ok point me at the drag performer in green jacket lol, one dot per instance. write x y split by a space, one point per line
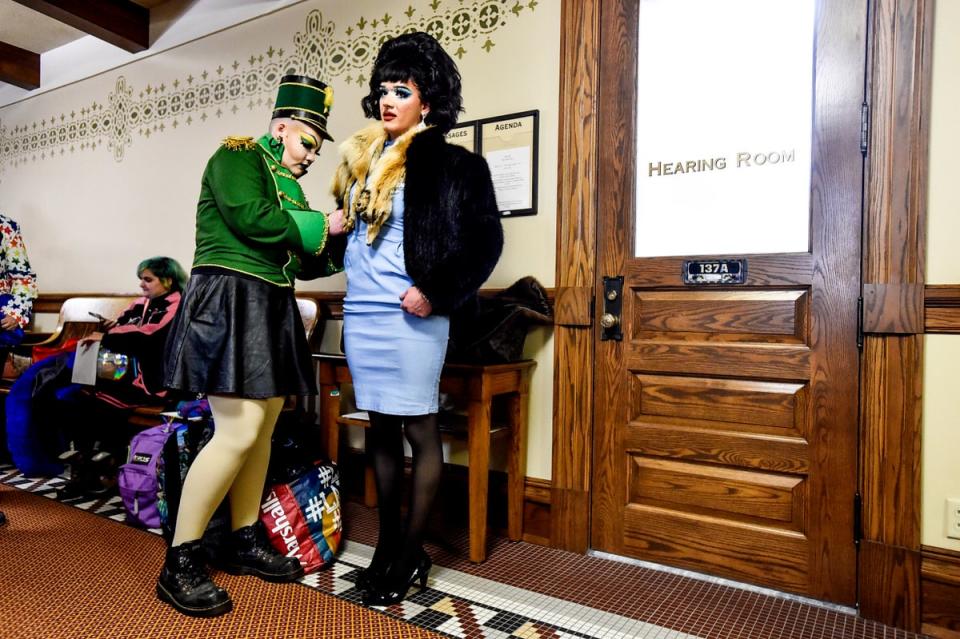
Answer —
238 336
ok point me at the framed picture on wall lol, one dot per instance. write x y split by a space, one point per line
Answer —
465 135
510 145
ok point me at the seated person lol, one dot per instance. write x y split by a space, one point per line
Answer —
140 333
46 412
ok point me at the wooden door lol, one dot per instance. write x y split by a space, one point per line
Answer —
725 424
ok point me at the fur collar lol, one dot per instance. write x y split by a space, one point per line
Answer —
375 171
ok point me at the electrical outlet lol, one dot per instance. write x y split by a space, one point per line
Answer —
953 517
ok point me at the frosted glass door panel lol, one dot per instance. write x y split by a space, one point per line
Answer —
724 117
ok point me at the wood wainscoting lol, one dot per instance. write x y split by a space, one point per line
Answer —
536 511
331 302
940 588
941 305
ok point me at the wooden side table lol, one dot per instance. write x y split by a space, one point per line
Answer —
478 385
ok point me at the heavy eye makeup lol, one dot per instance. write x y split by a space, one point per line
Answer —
308 141
401 92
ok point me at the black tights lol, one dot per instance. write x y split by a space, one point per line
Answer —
399 547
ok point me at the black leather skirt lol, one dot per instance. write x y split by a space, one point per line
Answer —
237 335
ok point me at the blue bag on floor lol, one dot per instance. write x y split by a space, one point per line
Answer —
34 444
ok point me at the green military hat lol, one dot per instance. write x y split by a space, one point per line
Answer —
303 98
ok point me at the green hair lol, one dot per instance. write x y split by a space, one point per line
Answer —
165 268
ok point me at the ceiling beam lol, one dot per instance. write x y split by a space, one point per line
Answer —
19 66
120 22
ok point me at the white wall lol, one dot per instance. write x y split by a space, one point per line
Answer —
941 407
92 205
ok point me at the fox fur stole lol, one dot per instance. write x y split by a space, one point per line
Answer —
375 172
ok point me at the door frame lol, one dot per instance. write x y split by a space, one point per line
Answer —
898 76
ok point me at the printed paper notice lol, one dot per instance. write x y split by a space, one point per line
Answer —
85 363
510 170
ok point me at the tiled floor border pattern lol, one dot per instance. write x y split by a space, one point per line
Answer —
540 593
454 603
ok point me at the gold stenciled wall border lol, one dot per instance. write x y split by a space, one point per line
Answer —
318 51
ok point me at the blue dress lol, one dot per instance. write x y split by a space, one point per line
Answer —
395 358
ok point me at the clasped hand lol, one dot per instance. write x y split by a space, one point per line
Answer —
413 301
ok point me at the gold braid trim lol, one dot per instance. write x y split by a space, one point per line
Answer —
279 170
326 236
302 205
239 143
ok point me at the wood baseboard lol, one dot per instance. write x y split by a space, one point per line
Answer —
942 309
940 592
536 511
888 585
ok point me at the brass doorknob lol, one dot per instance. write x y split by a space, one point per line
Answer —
609 320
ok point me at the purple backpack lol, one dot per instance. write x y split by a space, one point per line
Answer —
137 479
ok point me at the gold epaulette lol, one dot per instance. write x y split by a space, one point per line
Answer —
239 143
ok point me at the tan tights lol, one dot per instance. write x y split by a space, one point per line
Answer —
234 462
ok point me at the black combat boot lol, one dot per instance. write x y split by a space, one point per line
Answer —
185 584
248 552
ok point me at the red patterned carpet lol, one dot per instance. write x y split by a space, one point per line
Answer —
66 573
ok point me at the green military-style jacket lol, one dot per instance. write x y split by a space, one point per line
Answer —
253 217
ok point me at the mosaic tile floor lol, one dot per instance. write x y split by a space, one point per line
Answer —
525 590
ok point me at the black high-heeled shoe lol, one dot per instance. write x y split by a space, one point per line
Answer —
369 577
386 595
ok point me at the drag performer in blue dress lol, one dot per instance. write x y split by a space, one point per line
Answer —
424 234
395 355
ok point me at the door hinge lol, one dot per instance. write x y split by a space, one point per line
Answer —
857 518
864 127
859 323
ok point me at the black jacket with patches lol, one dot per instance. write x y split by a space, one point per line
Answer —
452 236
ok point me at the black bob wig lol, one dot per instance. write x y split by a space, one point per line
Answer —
418 57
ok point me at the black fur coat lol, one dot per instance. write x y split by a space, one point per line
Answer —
452 237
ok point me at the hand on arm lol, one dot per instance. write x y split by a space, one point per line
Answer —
414 302
336 221
9 322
